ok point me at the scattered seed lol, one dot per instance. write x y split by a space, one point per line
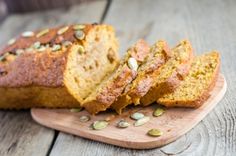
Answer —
137 116
142 121
56 47
11 41
81 49
42 33
123 124
84 118
78 27
158 112
133 64
74 110
79 34
155 132
98 125
37 45
28 34
62 30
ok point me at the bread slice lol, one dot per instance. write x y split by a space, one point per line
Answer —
196 87
112 87
171 73
57 67
147 72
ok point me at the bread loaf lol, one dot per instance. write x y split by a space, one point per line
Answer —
57 67
112 87
147 72
171 73
196 87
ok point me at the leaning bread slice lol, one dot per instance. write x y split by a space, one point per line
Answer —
195 88
171 73
108 91
56 67
147 72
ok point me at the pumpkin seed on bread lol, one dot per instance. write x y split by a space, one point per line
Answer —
196 86
112 87
171 73
159 54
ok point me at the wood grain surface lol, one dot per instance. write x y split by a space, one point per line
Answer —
173 123
208 24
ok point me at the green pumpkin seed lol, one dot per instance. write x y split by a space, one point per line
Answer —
11 41
28 34
123 124
41 49
158 112
56 47
79 34
42 33
78 27
142 121
98 125
137 116
81 49
155 132
37 45
74 110
84 118
62 30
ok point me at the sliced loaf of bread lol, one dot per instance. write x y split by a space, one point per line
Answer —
159 54
196 87
112 87
171 73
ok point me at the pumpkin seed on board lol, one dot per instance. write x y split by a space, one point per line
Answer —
78 27
74 110
123 124
79 34
84 118
62 30
137 116
155 132
133 64
19 52
99 125
81 49
28 34
158 112
37 45
142 121
56 47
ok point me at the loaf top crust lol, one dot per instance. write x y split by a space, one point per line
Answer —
39 58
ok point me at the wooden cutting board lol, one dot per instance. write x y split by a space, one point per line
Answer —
174 122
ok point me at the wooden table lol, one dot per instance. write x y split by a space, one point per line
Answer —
208 24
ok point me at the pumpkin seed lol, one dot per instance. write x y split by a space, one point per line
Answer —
158 112
56 47
142 121
133 64
37 45
81 49
155 132
137 116
19 51
41 33
98 125
28 34
11 41
41 49
67 43
78 27
84 118
62 30
123 124
79 34
74 110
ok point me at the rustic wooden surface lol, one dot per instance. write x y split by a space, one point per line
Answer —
208 24
174 123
